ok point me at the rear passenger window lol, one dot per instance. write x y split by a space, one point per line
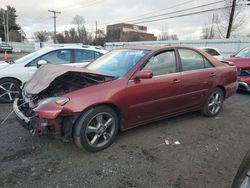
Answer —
163 63
84 55
97 55
192 60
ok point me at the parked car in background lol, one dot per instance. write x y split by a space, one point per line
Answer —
121 90
4 47
13 74
213 52
242 62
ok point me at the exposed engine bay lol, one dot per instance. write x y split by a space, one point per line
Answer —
56 80
47 86
70 81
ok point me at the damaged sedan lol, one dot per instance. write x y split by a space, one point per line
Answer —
123 89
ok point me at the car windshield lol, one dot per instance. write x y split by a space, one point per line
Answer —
245 53
118 62
32 56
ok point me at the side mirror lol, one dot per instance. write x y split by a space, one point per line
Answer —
232 55
146 74
41 62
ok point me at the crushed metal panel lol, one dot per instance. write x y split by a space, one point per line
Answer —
48 73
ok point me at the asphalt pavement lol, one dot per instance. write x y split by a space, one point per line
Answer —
209 153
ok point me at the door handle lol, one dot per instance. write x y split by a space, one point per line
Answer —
176 81
212 74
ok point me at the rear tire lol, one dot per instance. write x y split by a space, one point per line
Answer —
214 103
9 90
96 129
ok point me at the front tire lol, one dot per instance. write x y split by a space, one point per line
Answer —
9 90
96 129
214 103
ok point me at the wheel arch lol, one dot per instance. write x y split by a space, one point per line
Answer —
76 117
223 90
12 79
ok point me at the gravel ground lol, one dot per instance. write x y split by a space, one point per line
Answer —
208 156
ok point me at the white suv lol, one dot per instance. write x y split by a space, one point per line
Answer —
12 75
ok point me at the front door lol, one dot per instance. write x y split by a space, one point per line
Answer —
57 57
149 99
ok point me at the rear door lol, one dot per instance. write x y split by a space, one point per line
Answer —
198 75
82 57
158 96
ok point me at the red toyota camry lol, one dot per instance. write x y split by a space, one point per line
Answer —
121 90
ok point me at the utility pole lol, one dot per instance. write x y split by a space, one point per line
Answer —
54 12
212 29
4 25
7 26
231 18
95 31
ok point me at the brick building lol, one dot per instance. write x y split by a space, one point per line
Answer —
123 32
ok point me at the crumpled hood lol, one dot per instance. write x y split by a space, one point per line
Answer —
46 74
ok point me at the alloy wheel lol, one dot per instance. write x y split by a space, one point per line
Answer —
8 91
215 102
100 129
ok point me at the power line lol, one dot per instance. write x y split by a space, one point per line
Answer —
183 15
178 11
55 13
94 2
156 11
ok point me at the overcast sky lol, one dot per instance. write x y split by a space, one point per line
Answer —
33 15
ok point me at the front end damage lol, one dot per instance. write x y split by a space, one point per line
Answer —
44 119
42 107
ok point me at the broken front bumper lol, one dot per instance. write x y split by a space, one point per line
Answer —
22 119
37 125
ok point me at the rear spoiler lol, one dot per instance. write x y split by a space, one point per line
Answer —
230 63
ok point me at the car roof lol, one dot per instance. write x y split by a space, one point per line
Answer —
156 47
148 47
85 47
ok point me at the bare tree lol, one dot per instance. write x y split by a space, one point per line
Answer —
166 36
208 30
79 21
78 34
42 36
222 19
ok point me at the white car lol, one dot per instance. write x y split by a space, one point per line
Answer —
213 52
12 75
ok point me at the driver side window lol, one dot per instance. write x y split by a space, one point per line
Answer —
162 63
